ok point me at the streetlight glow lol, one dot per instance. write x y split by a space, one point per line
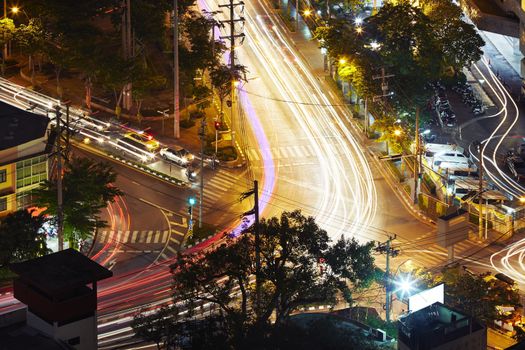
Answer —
342 61
359 30
358 21
307 12
15 10
397 132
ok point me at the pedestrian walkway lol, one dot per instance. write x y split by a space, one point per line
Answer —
144 236
286 152
430 255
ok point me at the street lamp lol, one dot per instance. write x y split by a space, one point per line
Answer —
342 60
307 12
398 132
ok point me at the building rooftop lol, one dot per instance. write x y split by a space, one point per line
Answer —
436 324
59 272
19 126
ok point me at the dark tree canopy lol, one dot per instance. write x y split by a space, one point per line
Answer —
416 44
293 274
87 188
21 237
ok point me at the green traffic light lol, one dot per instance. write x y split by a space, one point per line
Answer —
192 201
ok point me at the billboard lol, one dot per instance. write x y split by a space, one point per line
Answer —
427 297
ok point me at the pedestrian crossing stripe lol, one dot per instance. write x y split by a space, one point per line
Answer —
297 151
145 236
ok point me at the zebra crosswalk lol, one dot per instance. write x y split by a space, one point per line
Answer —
433 255
144 236
284 152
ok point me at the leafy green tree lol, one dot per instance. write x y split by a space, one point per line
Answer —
397 138
87 188
21 237
156 327
415 44
478 295
459 42
222 78
144 82
7 31
291 275
31 39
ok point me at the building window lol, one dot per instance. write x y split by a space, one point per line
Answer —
31 171
24 200
3 204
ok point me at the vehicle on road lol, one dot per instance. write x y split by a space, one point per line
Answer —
177 155
191 174
143 138
515 164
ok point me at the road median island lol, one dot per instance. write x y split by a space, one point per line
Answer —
131 164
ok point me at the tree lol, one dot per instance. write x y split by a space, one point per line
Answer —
7 30
222 78
155 327
478 295
87 188
21 237
31 39
291 274
415 44
397 137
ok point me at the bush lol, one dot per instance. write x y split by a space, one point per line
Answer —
187 123
227 153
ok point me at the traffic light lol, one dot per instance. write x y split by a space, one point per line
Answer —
217 125
192 201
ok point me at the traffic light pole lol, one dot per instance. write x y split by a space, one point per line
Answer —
202 134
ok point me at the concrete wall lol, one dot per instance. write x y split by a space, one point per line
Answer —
85 329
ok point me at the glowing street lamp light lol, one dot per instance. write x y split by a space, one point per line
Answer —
358 21
405 285
342 61
397 132
307 12
15 10
359 30
374 45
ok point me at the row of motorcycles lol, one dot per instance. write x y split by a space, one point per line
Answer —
443 108
467 95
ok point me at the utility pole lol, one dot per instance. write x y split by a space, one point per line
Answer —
60 209
297 15
384 85
367 122
231 22
127 50
481 148
231 37
176 112
202 136
417 158
255 212
386 248
384 92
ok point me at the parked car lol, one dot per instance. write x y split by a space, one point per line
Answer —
177 155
